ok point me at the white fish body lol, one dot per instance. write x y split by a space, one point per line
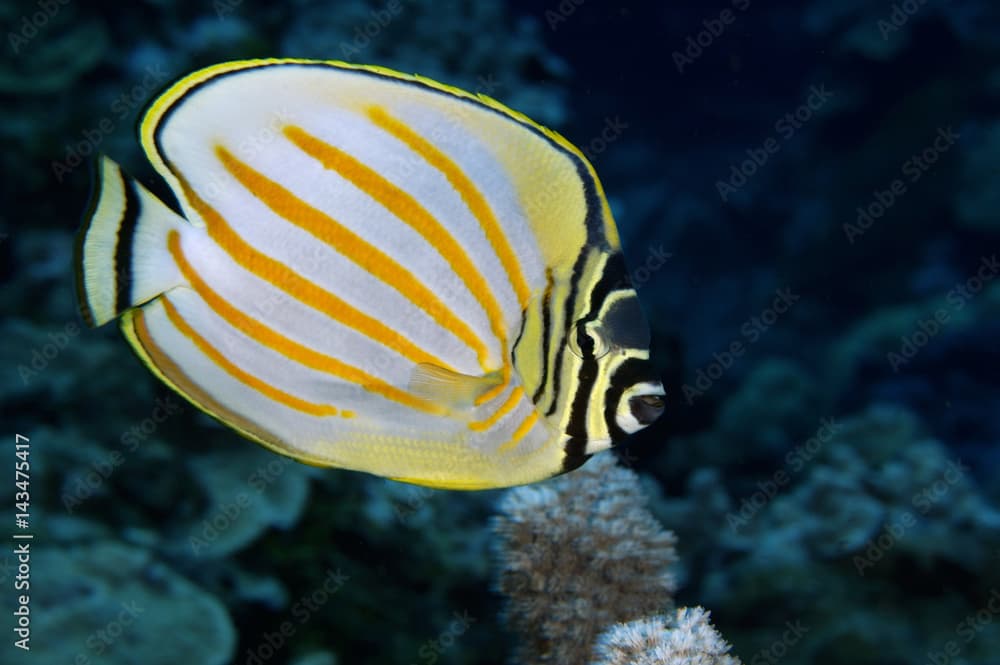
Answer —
376 272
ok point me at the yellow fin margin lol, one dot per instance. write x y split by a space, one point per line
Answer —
151 120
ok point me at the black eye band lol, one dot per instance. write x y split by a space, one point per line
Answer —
631 372
584 341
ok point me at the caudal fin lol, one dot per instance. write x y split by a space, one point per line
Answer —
122 259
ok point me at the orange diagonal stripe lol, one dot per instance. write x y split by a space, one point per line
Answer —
473 198
282 344
284 278
352 246
520 432
505 408
267 389
401 204
504 378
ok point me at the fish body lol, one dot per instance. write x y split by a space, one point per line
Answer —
373 271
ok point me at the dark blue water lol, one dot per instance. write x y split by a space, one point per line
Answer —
807 197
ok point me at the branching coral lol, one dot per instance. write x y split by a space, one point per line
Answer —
684 638
581 553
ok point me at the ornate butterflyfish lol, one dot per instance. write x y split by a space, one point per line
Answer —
373 271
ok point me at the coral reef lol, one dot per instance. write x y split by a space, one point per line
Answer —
68 49
877 502
107 602
578 554
902 353
247 492
834 487
581 553
127 461
781 400
683 638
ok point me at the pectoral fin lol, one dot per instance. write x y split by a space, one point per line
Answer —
451 389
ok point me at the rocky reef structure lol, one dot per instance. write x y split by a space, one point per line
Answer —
108 602
872 512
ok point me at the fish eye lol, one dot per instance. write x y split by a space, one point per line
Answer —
588 340
652 401
646 408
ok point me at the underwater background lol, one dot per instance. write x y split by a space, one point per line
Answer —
808 195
